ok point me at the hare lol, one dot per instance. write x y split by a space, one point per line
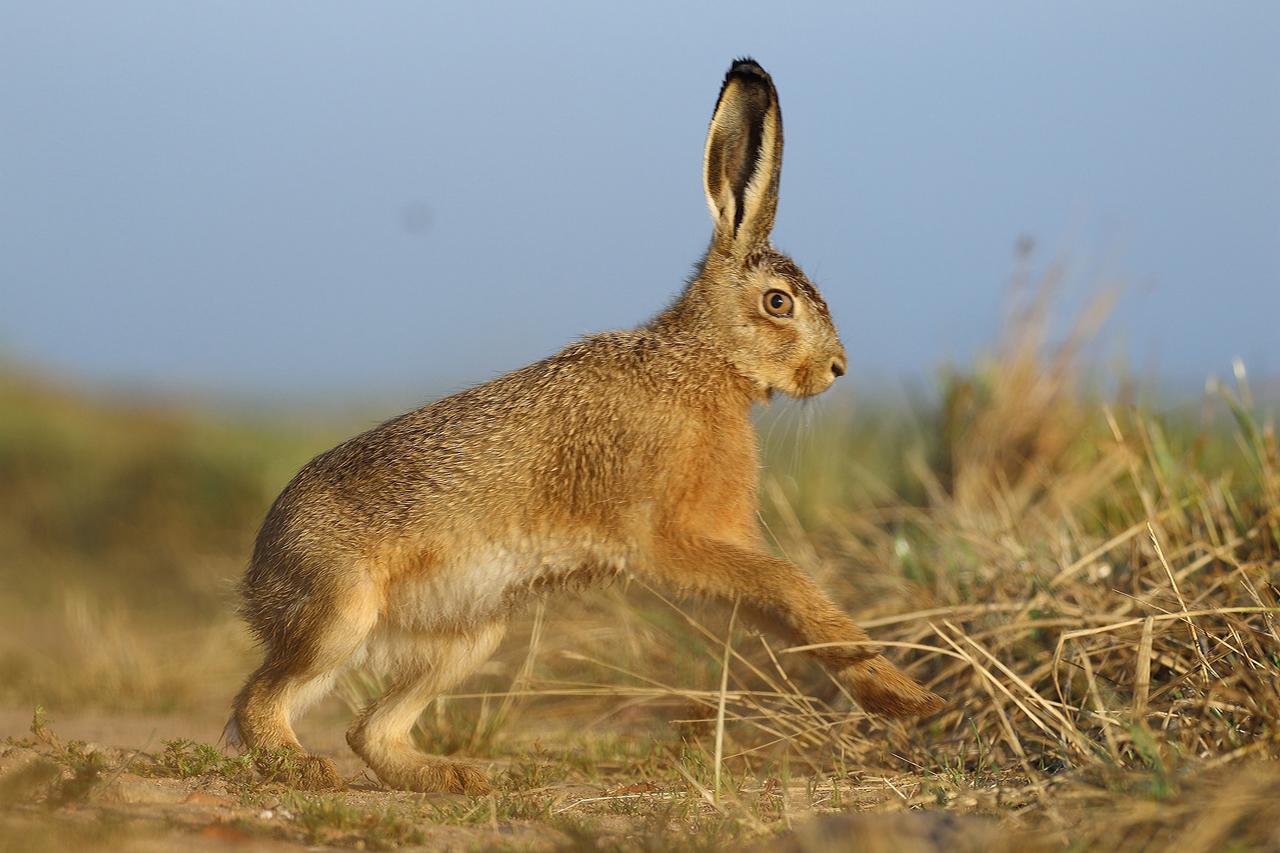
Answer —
406 548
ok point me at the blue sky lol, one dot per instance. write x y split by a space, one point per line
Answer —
301 198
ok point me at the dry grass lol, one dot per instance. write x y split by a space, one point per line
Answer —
1093 585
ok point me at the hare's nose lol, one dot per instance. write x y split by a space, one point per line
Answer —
838 367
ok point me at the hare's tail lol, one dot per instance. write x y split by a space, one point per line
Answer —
231 737
882 688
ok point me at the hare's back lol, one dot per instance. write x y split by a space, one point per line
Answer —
564 431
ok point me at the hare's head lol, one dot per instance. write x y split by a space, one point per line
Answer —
771 320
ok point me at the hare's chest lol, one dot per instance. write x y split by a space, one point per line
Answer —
713 489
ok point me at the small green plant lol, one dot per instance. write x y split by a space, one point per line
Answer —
276 765
537 769
495 808
322 816
185 759
1161 783
87 766
40 728
332 819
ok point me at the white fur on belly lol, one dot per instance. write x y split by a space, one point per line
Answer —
481 587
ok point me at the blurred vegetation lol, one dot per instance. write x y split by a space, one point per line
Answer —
137 498
123 523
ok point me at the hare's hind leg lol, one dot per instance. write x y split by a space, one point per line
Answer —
300 667
382 733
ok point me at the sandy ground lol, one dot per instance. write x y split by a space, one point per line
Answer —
126 810
129 807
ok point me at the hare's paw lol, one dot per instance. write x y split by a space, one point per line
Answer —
297 769
882 688
431 776
466 779
317 773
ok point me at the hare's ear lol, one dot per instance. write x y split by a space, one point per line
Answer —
744 158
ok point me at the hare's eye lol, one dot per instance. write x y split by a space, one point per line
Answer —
778 303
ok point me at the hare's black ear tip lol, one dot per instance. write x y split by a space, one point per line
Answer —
746 67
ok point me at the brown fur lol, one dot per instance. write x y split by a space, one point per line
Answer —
629 452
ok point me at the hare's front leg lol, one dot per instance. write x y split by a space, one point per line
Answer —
779 597
382 733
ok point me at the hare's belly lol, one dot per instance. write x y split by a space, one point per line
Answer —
487 585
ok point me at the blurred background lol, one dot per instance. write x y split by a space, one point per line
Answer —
307 200
233 234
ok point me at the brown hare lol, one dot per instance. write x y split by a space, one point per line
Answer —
405 548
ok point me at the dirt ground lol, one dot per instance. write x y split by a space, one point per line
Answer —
132 796
138 811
